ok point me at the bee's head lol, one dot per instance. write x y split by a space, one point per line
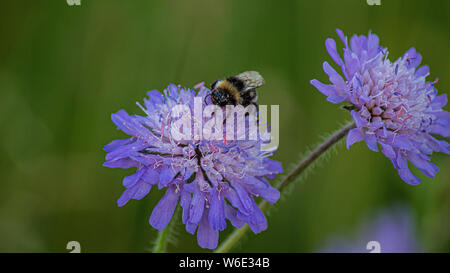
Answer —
220 97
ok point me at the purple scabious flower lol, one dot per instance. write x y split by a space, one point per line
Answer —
391 102
393 228
213 180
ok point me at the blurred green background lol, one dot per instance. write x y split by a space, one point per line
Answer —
64 69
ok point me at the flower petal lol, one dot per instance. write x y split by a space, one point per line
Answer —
371 142
243 196
326 89
115 144
128 125
408 177
388 151
163 211
151 176
413 58
123 163
360 122
206 236
354 135
256 221
185 202
422 71
216 214
330 44
335 78
197 206
230 214
439 102
425 166
166 176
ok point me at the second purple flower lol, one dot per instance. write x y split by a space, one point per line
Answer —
391 102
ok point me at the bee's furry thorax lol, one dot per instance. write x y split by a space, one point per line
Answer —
228 86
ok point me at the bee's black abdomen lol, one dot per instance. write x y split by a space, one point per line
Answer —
238 83
249 97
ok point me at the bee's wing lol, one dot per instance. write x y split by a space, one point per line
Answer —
251 79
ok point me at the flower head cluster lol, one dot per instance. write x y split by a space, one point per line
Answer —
212 180
391 102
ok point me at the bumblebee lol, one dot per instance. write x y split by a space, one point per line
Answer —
239 89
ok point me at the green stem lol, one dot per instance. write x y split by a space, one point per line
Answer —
164 235
234 237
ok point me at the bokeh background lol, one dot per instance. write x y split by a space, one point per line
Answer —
64 69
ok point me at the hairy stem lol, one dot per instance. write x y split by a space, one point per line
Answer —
316 153
234 237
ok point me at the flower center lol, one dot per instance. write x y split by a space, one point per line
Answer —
398 100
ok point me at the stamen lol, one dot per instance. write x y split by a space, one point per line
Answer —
388 84
199 85
408 117
401 112
143 109
213 148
